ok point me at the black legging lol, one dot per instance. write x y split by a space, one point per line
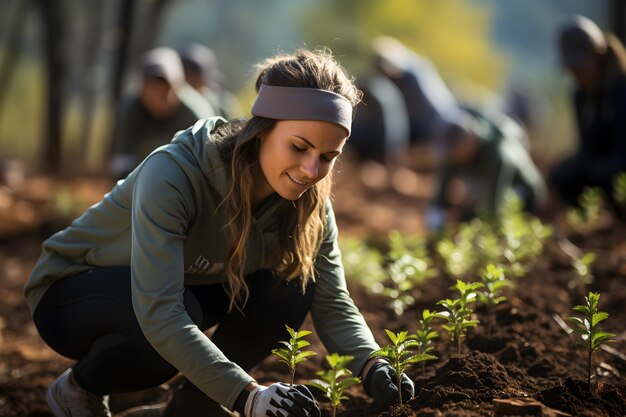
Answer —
90 318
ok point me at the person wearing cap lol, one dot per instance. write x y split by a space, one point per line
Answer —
230 224
164 104
202 73
488 151
428 101
597 63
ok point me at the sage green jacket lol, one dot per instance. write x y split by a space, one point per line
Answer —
164 222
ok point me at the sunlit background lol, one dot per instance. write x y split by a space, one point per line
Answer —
484 50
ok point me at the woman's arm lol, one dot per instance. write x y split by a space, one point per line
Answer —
162 207
338 322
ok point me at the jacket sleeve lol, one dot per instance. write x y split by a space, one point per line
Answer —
161 211
339 324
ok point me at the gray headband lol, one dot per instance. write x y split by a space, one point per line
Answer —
296 103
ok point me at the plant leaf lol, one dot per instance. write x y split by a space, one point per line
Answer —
598 317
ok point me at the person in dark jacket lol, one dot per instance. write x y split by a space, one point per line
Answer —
429 103
164 104
597 63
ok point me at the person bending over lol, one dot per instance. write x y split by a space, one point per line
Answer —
230 224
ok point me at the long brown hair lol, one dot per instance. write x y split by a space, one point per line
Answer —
301 223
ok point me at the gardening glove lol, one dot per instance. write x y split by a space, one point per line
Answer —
380 383
280 400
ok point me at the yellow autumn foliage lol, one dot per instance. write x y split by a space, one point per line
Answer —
453 34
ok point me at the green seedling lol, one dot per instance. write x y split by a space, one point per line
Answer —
336 380
591 337
458 253
362 263
524 235
292 354
401 245
583 274
494 282
405 273
408 265
587 216
400 356
425 334
458 313
619 189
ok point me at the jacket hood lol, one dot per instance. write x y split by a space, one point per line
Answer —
196 148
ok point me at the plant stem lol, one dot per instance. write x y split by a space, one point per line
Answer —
292 376
333 411
398 382
589 370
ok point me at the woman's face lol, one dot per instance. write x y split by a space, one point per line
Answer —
296 154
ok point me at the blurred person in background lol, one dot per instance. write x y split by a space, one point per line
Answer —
429 102
147 119
380 131
231 224
202 73
597 63
488 151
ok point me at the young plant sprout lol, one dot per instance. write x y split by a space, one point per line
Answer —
405 273
291 354
583 275
409 265
619 189
362 262
458 253
399 355
401 245
619 192
336 380
587 216
493 281
523 234
458 314
587 328
425 334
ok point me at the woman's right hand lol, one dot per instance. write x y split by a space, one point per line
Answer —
281 400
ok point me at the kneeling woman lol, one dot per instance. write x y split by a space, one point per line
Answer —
228 225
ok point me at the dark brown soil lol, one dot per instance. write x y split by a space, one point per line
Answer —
529 358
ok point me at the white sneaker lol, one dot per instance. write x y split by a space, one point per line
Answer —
66 399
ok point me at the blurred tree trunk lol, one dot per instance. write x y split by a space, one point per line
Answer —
124 29
54 68
92 42
153 25
127 50
13 46
136 35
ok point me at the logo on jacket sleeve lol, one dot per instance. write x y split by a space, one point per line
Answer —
204 267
